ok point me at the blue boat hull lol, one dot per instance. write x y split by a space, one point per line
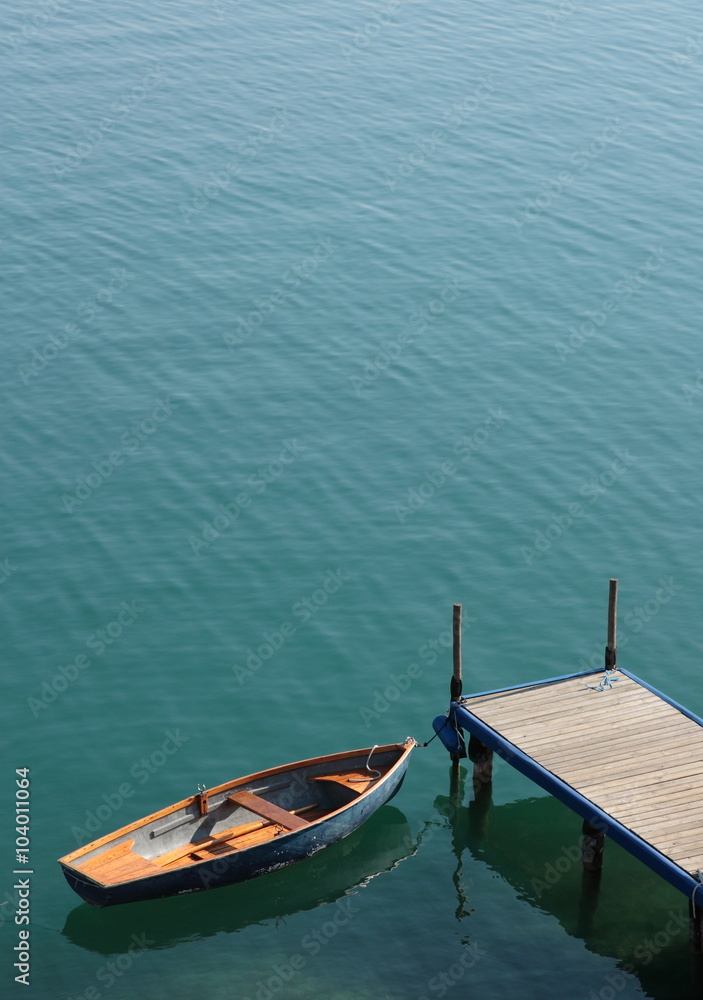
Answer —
241 865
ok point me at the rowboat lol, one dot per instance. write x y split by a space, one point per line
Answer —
239 830
374 851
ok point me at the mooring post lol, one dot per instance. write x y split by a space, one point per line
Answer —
456 683
611 650
482 758
593 840
455 688
479 754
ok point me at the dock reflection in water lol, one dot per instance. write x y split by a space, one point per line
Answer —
624 912
378 846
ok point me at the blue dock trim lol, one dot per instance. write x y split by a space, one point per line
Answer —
522 762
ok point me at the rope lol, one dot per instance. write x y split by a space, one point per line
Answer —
606 682
436 734
371 770
457 730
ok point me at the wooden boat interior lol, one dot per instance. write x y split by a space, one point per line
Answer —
242 814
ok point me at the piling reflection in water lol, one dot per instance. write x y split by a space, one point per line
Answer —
625 912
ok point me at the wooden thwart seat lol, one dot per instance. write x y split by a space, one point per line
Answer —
254 803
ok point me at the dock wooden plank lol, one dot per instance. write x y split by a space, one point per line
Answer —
643 778
547 700
639 722
678 797
576 748
638 764
570 691
586 758
581 734
625 743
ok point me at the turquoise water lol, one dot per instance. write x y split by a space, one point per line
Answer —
319 319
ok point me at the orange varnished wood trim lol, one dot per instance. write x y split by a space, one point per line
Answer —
111 854
358 781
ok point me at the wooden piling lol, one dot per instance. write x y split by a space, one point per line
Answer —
455 688
456 682
592 847
480 755
594 839
611 650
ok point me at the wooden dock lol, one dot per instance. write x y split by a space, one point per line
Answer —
624 757
621 754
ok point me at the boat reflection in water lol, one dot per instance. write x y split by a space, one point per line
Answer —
624 912
377 847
